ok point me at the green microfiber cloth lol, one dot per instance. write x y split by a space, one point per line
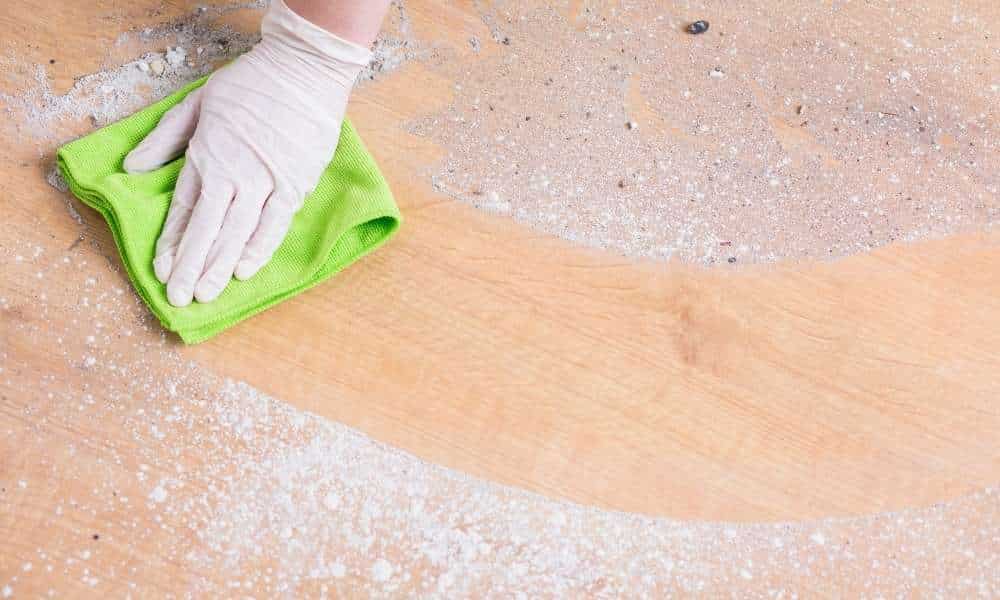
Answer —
350 213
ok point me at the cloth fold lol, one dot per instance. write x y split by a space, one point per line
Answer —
350 213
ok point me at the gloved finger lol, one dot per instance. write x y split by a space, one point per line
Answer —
168 140
202 230
185 194
239 225
274 223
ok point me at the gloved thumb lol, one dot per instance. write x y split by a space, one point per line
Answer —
168 140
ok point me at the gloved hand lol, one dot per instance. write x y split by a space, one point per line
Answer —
259 134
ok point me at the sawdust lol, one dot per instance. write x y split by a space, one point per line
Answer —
193 46
108 95
784 132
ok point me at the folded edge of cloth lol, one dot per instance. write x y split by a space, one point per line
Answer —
349 214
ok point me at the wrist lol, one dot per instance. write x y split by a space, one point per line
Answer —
311 45
356 21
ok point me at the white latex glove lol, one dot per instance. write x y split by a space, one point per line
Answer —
259 134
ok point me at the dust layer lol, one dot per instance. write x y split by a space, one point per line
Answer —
178 52
789 130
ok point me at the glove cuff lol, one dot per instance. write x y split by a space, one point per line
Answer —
310 40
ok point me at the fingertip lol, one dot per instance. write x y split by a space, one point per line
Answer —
162 265
135 163
207 291
245 269
179 295
211 285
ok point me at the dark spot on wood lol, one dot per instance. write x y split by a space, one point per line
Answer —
698 27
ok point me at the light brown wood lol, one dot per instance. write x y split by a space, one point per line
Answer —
787 392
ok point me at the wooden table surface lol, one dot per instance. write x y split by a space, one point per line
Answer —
783 392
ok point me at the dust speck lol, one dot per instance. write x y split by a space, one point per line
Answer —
381 570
